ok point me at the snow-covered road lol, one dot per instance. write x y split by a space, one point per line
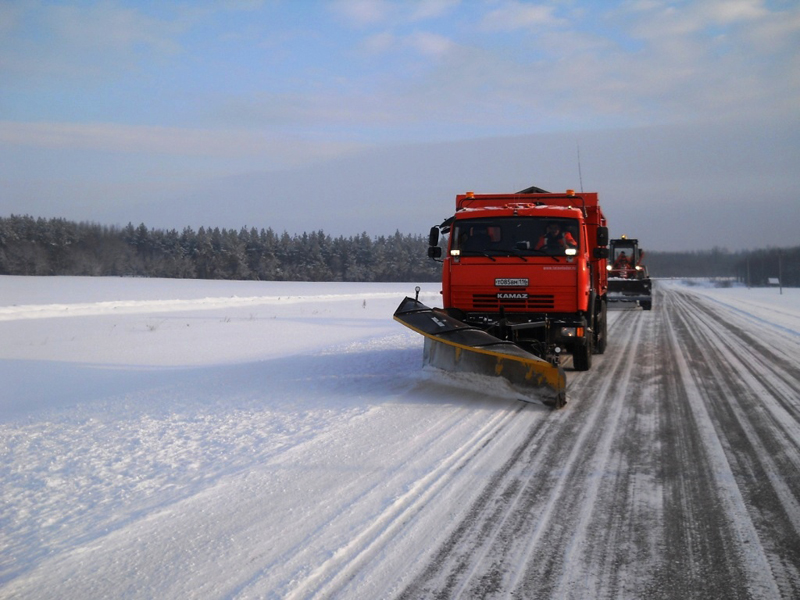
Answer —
184 439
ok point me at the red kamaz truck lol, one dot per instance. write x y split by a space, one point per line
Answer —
528 269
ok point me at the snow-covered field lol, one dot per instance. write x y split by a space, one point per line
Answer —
209 439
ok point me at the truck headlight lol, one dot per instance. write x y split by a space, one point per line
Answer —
572 332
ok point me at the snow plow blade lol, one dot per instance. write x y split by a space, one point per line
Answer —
635 291
454 346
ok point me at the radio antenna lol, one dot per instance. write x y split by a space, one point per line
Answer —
580 175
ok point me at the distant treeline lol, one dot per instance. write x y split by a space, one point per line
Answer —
751 267
37 246
30 246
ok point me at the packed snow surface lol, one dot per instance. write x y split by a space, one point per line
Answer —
209 439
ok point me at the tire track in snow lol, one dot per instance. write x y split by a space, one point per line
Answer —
567 561
335 573
455 555
759 438
777 372
588 469
707 526
791 319
609 550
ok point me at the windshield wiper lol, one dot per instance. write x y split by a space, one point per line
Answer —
481 252
516 252
542 252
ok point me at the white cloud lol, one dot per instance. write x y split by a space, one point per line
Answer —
663 19
80 42
380 42
363 12
513 15
429 9
430 44
779 31
245 5
276 149
668 18
730 11
114 137
110 26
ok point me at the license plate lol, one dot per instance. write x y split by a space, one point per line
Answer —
511 282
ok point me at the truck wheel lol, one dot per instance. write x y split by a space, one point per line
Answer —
602 335
582 355
646 304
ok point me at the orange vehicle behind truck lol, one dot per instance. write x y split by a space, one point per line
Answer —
529 268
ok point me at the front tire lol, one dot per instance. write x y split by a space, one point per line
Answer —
602 336
582 355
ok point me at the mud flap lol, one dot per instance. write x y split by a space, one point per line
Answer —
454 346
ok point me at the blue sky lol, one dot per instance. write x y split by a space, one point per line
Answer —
161 112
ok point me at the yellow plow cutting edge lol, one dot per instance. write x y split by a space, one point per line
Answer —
454 346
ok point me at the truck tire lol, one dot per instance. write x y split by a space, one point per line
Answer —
646 304
582 355
602 329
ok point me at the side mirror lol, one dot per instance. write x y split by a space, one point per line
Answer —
602 236
434 252
433 237
601 253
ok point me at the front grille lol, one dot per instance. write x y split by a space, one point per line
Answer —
532 302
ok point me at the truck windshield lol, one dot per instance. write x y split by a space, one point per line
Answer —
622 252
525 236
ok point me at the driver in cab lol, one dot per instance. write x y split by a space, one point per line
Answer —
556 239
